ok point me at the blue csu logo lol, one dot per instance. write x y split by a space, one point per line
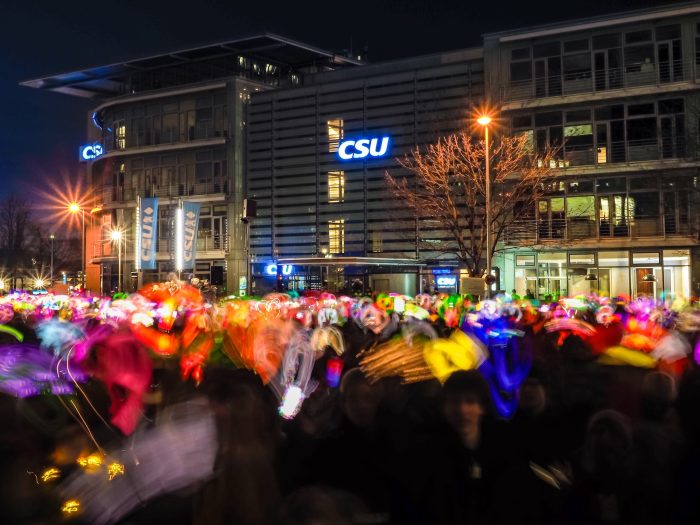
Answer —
91 151
363 148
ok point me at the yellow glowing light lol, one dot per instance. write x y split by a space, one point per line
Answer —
458 352
39 284
115 469
484 120
50 474
92 461
73 207
71 506
116 235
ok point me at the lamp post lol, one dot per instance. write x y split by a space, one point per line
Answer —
74 208
52 237
117 238
484 121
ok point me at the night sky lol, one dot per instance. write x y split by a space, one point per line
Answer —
41 131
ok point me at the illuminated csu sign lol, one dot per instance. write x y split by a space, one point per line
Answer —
271 269
363 148
91 151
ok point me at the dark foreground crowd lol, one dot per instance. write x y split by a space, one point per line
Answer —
589 444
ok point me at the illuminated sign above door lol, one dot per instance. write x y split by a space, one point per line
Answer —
363 148
271 269
91 151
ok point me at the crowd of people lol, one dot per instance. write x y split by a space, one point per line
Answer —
590 442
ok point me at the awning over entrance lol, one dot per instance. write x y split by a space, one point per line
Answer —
350 261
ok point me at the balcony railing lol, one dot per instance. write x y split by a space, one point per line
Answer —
583 228
201 131
112 194
632 75
205 243
623 151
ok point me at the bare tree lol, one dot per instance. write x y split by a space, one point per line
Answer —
15 216
446 187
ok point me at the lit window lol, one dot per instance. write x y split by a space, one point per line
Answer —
336 236
376 242
529 140
121 136
336 186
335 134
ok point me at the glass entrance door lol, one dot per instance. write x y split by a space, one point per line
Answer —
647 281
551 275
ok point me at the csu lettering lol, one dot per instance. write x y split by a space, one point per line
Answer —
362 148
147 234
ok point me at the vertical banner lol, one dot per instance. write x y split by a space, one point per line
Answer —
190 211
146 238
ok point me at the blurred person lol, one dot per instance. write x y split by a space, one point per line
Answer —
604 478
687 502
537 424
658 443
460 476
245 490
320 506
317 420
355 458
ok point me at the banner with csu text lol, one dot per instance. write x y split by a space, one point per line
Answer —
148 226
190 211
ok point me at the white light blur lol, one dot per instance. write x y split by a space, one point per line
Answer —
137 242
291 402
179 239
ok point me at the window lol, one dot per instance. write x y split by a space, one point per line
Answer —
520 71
582 186
639 59
646 258
336 186
525 260
121 135
520 54
549 49
611 185
335 134
606 41
529 140
668 32
638 36
522 121
377 242
577 66
336 236
576 45
582 259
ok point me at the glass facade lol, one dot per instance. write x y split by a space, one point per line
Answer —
607 208
610 60
613 273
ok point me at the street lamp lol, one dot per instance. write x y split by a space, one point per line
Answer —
485 120
52 237
75 208
116 236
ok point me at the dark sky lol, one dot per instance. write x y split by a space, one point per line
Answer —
40 131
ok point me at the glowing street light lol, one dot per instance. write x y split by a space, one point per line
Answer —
52 237
485 121
75 208
116 236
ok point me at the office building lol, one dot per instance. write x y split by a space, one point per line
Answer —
172 127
